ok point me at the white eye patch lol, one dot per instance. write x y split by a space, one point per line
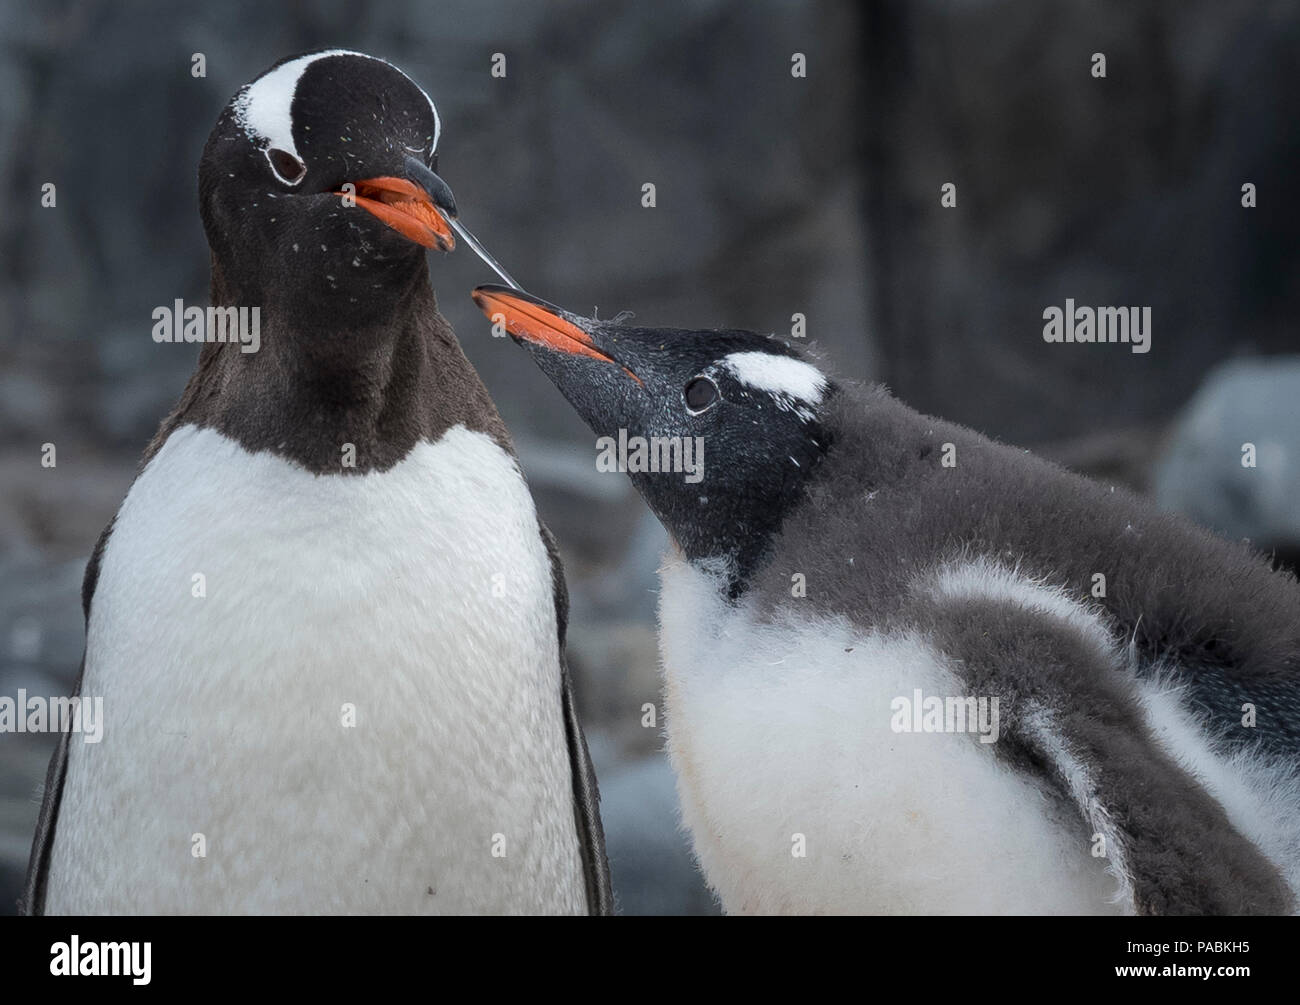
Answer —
263 108
793 384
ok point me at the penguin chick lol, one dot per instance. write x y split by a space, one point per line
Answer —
911 670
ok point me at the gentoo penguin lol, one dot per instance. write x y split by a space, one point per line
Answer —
911 670
326 623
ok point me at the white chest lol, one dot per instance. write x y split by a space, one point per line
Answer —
801 798
322 694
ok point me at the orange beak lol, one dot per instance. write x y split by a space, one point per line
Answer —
533 323
536 321
407 208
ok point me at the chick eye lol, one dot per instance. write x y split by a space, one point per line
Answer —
288 168
700 393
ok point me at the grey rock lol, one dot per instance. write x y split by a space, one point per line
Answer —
1201 474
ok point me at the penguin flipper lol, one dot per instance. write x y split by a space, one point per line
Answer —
32 899
1073 716
586 794
586 805
1220 693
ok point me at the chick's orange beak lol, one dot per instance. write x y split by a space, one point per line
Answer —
407 208
533 320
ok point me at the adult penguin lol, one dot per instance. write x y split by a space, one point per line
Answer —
326 623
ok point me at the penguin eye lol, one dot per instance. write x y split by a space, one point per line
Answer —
700 393
288 168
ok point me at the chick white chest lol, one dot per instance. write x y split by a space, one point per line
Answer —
801 798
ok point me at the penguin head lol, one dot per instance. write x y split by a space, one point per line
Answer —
745 410
319 181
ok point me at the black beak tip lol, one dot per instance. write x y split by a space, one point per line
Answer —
439 191
488 288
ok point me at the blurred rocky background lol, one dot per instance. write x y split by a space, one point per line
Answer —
776 195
